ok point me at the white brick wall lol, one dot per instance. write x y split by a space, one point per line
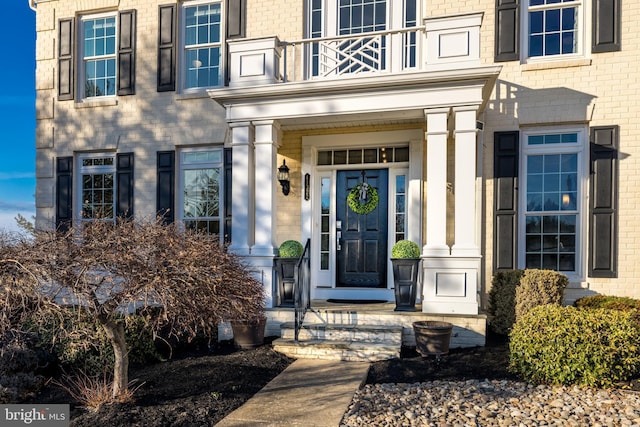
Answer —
601 89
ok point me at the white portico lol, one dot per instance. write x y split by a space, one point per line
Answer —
448 92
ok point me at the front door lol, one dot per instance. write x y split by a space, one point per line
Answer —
362 243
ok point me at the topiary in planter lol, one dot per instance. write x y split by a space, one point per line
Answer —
290 249
405 249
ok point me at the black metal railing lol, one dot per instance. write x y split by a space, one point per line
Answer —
302 287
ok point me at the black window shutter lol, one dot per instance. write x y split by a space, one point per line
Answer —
127 53
124 183
167 48
603 191
165 197
505 176
236 16
64 193
606 26
227 194
65 59
507 30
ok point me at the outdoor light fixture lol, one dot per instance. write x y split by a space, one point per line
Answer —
283 177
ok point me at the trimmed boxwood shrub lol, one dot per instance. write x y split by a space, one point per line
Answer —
290 249
566 345
502 300
405 249
610 302
539 287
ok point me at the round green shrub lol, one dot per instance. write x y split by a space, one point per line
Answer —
610 302
502 300
539 287
566 345
290 249
405 249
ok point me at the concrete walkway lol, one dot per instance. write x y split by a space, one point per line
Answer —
307 393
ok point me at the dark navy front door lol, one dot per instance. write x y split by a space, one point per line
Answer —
362 246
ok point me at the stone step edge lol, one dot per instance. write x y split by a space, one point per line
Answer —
344 326
341 350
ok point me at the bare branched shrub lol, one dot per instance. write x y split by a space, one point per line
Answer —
107 270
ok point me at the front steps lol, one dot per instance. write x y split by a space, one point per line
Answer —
330 330
340 342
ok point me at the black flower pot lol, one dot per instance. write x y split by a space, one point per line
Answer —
248 334
432 337
405 280
285 279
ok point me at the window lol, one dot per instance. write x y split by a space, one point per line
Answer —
202 43
553 173
201 189
360 53
400 207
99 47
554 27
97 177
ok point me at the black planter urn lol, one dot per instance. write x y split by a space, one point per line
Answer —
432 337
405 280
248 334
285 280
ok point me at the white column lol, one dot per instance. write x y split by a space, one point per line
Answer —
436 244
465 182
266 144
242 205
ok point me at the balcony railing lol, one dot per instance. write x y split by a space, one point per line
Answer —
327 57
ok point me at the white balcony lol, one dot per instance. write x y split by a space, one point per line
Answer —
445 43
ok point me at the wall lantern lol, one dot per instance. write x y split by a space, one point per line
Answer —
283 177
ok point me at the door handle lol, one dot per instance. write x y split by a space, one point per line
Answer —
338 238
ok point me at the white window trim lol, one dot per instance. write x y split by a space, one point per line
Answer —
78 202
81 68
584 26
182 78
180 193
582 149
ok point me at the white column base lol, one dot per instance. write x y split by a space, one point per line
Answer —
262 269
436 251
450 284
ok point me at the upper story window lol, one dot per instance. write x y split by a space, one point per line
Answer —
361 53
202 38
99 47
553 207
554 27
97 56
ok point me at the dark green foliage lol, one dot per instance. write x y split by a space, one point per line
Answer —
566 345
502 300
405 249
539 287
610 302
20 364
290 249
87 348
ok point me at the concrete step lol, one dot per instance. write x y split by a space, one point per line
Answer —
344 332
337 350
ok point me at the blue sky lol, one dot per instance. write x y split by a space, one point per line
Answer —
17 112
